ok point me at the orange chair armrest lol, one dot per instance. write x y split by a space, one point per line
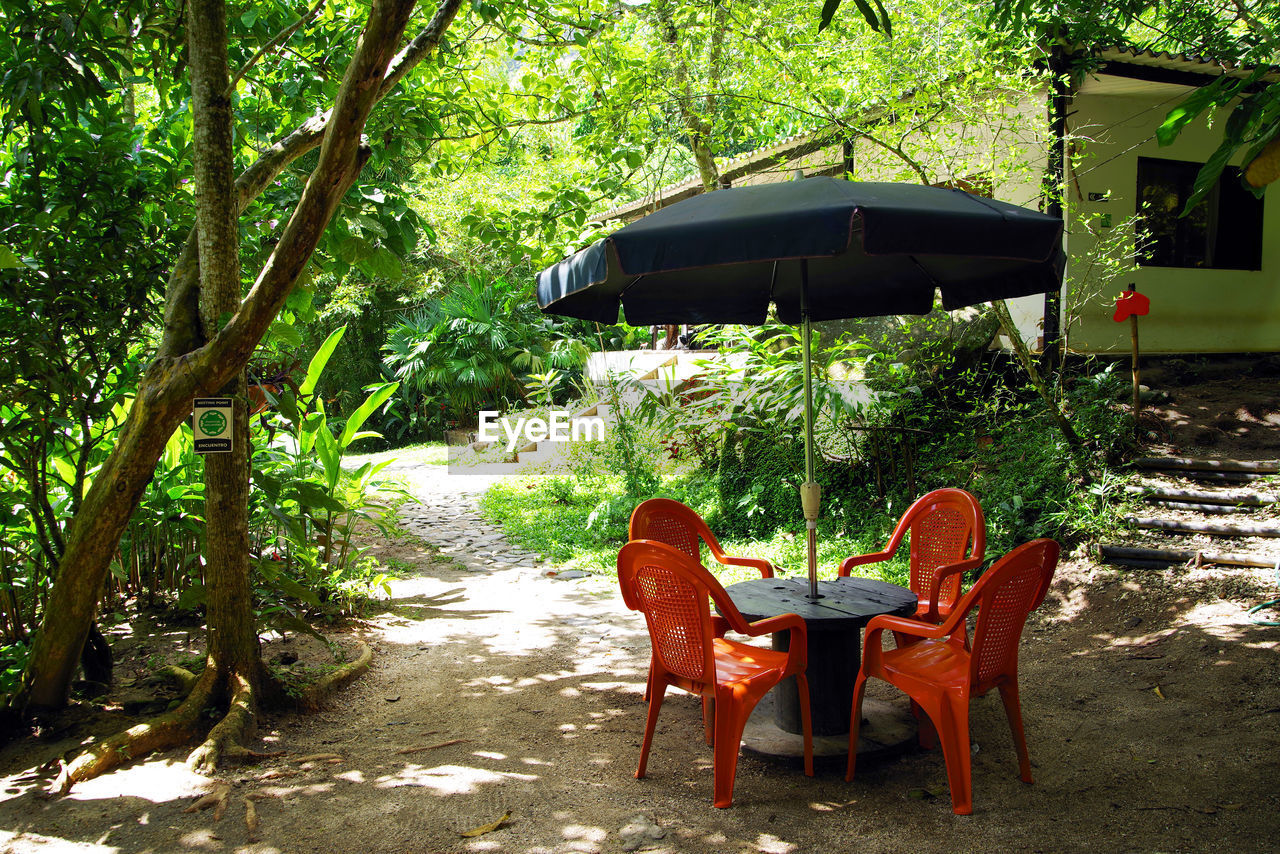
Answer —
942 573
780 623
858 560
798 652
904 625
766 568
719 625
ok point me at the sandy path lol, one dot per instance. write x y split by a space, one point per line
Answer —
519 695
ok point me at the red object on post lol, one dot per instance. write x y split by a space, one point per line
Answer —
1131 303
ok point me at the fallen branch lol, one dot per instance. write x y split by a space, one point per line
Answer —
408 750
1191 464
216 799
1243 498
1168 556
251 819
1220 529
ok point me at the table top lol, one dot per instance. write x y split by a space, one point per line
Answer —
845 603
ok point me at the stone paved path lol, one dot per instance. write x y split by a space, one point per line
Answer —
446 515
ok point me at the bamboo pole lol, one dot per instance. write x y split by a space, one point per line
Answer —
1192 464
1220 529
1239 498
1184 555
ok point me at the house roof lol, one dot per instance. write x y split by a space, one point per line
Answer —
1121 70
1129 70
738 167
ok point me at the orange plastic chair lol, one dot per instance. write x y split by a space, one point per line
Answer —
668 521
674 592
943 524
941 672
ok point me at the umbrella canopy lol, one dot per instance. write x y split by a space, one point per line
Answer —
872 249
818 249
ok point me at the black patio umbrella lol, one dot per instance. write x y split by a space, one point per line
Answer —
818 249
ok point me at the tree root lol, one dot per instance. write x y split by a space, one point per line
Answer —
311 698
181 677
159 733
225 742
227 737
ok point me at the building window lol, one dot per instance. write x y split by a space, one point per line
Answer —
1222 232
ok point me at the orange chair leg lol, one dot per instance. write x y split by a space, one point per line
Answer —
953 730
1013 710
926 732
651 723
806 722
855 724
731 718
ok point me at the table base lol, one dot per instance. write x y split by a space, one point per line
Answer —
888 729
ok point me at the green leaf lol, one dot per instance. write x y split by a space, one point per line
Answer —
191 598
298 591
313 495
320 359
1209 174
286 334
287 405
8 260
884 19
330 457
311 424
375 399
283 620
867 12
384 264
366 434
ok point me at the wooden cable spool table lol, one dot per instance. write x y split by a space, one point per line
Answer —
834 621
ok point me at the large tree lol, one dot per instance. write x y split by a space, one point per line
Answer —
210 331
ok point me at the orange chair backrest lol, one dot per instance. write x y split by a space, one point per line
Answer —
672 590
668 521
943 524
1007 592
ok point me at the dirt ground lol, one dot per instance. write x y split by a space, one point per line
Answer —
1151 702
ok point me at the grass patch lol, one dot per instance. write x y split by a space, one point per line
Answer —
583 527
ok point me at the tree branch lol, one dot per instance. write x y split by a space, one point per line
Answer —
181 314
278 38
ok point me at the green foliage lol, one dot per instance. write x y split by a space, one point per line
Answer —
464 351
13 658
930 421
306 505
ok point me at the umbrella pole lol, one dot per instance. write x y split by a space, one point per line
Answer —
810 492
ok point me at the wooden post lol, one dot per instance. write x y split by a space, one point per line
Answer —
1137 374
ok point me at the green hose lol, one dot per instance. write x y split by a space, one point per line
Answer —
1256 608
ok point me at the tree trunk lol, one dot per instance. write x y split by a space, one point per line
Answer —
698 124
167 388
232 642
1076 449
